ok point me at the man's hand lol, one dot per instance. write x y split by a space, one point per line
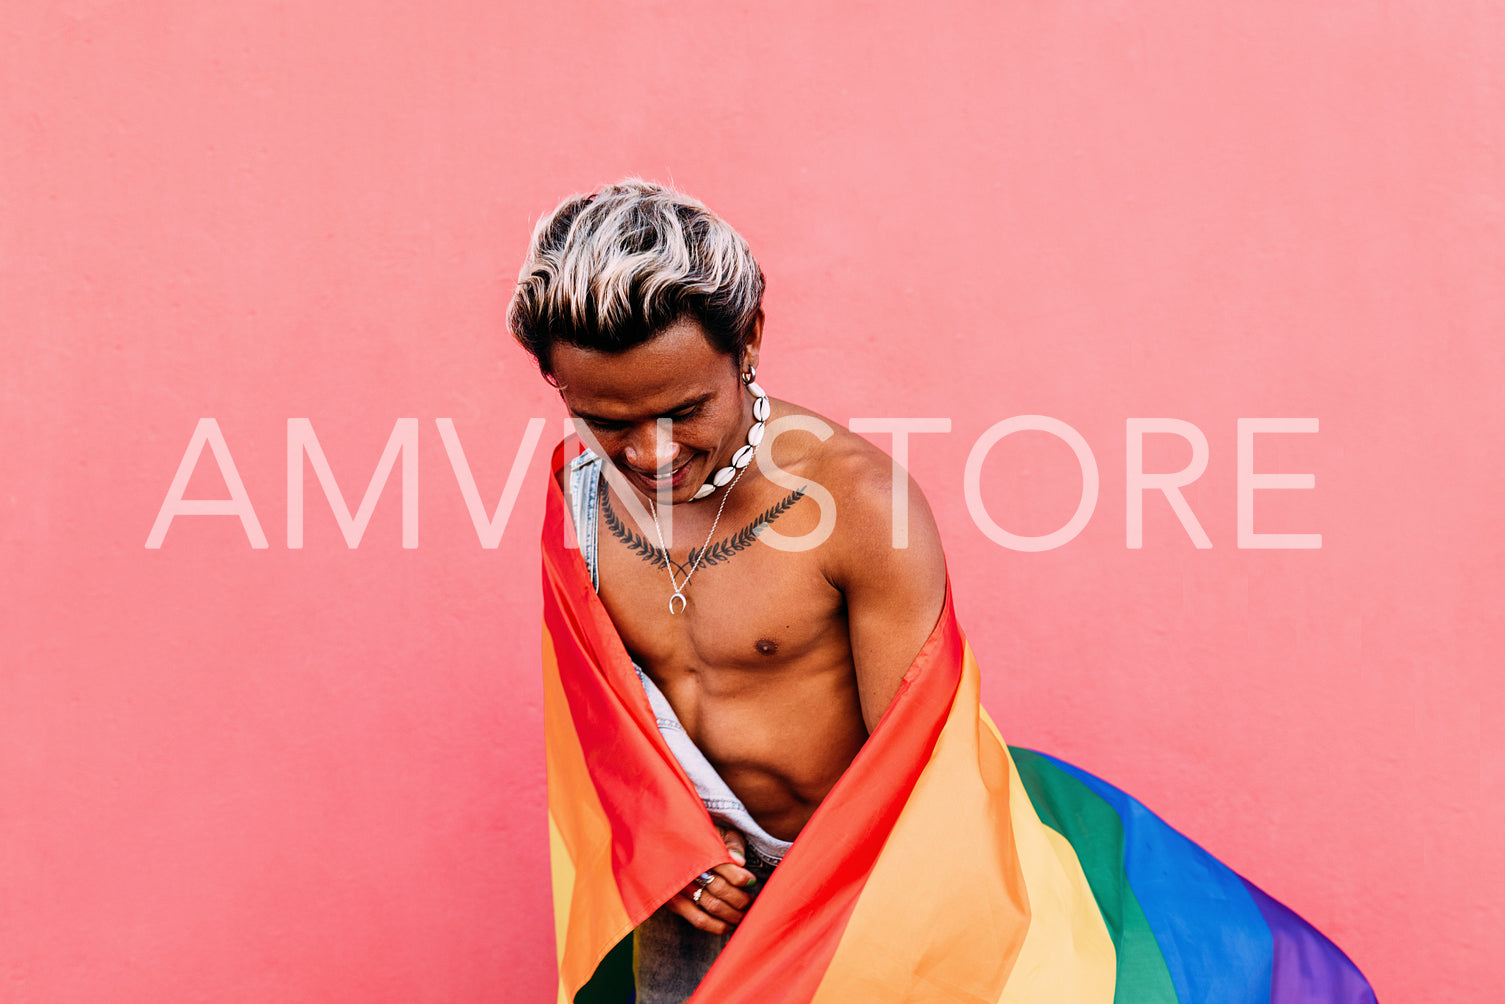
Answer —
721 900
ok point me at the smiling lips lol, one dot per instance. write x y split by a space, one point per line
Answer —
674 479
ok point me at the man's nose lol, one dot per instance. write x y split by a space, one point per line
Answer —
652 449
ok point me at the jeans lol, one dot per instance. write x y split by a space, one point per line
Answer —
670 957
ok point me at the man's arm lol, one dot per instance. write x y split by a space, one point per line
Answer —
893 595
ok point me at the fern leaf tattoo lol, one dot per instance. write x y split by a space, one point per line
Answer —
720 551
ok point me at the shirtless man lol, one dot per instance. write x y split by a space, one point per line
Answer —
640 305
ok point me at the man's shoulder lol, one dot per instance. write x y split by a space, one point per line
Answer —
860 478
836 456
830 454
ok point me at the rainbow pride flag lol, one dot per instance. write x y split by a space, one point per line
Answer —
943 866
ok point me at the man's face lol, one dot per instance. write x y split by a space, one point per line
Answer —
677 375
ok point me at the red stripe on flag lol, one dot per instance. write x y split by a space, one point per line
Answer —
662 834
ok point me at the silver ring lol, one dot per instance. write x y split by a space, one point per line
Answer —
695 898
704 879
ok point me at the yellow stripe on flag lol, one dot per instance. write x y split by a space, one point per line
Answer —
1068 955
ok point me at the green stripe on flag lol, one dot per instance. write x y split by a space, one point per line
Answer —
1096 833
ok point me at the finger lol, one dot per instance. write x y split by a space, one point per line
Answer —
736 845
719 908
697 917
725 891
734 875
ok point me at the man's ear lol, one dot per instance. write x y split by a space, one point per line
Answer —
754 342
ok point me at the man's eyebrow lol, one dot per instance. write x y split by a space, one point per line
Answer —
586 416
693 402
682 406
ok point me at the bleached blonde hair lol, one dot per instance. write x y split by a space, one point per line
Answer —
610 270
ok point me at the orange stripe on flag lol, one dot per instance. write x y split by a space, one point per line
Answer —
589 915
944 912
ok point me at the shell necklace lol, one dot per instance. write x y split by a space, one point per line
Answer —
743 456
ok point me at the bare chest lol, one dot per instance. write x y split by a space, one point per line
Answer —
747 605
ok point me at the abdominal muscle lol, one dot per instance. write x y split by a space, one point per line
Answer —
780 736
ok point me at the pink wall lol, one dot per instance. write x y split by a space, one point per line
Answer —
241 774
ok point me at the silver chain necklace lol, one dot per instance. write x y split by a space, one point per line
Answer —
680 587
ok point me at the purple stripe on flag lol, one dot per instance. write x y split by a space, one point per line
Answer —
1308 968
